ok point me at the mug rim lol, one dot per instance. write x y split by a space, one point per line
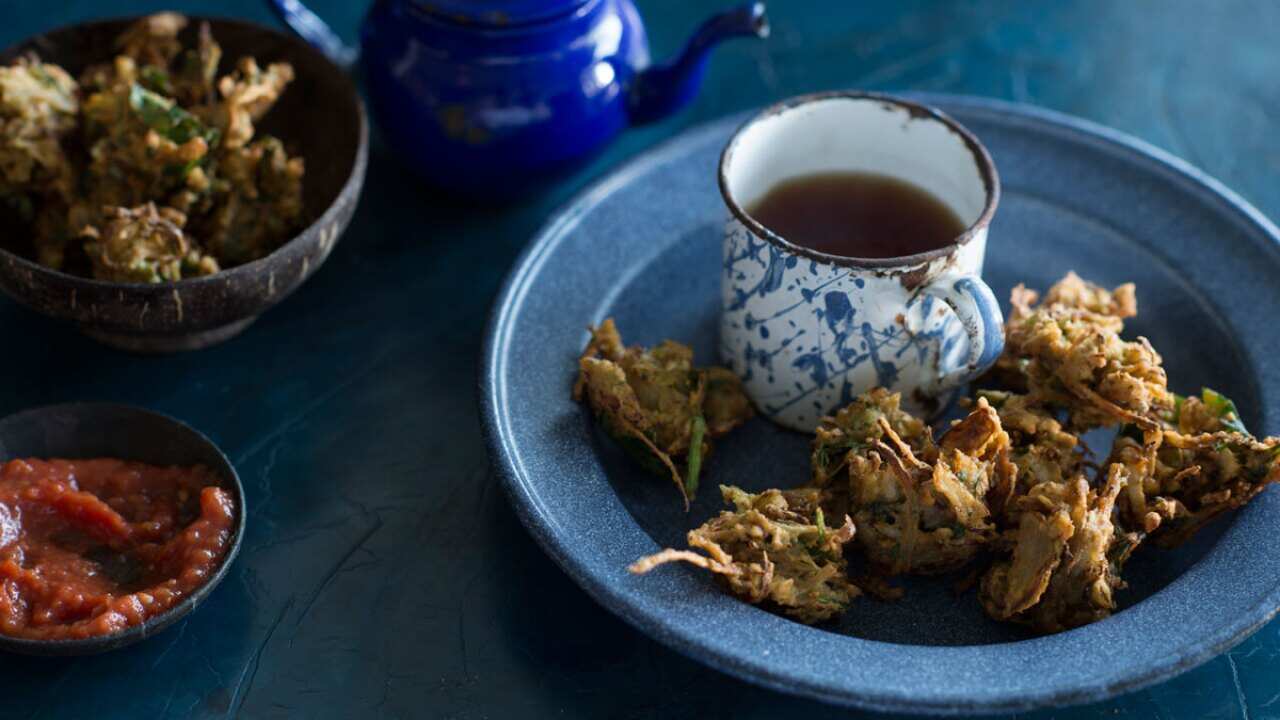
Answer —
982 158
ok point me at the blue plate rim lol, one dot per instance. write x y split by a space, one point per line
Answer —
534 517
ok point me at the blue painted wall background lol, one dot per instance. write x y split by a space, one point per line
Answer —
383 574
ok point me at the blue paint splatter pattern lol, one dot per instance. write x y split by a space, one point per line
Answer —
863 335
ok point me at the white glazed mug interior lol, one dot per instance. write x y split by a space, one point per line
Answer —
808 331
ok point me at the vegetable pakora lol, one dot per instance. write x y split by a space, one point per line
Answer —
1176 464
1066 557
919 506
1200 464
153 126
660 408
38 107
145 245
1067 352
1040 448
774 548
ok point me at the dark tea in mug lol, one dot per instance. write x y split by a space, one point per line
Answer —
857 214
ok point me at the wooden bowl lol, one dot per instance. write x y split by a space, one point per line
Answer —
320 117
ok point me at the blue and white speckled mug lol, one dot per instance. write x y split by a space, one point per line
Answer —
807 331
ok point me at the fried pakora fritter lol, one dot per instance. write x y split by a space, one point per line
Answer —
1066 557
144 245
153 40
38 107
263 191
1040 448
919 506
1200 464
660 408
143 147
1074 291
854 426
247 94
1176 464
1066 352
154 125
773 548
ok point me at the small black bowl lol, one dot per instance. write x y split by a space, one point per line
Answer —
89 430
320 117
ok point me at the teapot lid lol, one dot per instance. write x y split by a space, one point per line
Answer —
499 13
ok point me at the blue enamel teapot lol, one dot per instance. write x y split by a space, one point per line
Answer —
489 96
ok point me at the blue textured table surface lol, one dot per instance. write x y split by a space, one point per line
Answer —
383 573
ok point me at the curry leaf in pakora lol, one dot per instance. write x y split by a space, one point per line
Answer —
165 117
1213 412
657 405
773 548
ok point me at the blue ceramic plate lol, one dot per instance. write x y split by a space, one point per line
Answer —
643 246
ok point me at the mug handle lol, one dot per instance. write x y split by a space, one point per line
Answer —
975 305
308 26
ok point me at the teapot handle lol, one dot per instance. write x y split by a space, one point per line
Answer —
315 31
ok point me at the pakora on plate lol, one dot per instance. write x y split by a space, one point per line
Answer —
1010 491
660 408
1041 449
1071 524
774 548
1066 556
920 506
1200 463
1066 351
148 169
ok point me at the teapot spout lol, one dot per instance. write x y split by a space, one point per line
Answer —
661 90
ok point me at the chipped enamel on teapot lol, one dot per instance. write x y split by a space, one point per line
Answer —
488 97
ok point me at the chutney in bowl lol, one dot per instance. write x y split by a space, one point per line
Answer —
115 522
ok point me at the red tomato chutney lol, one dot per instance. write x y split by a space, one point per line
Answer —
90 547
